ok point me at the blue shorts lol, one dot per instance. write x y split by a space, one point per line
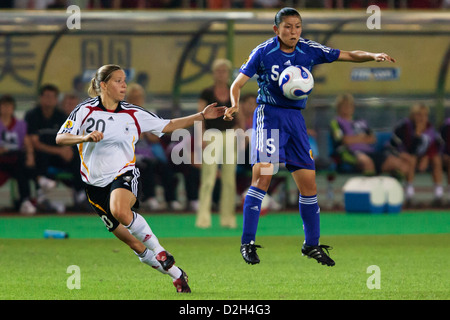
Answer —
279 135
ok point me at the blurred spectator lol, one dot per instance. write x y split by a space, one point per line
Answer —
219 92
136 4
69 102
7 4
247 105
415 145
352 139
79 88
16 153
189 169
43 123
445 133
35 4
268 3
152 162
58 4
219 4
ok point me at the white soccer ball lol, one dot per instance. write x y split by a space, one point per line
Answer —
296 82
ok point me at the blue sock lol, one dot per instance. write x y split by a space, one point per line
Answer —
309 211
252 208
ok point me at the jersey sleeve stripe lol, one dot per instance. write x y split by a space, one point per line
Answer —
317 45
128 106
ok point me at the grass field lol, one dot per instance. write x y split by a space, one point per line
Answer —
413 261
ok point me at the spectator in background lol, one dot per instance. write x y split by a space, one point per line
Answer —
69 102
415 145
152 162
189 168
43 123
244 170
79 88
58 4
220 92
352 139
445 133
16 153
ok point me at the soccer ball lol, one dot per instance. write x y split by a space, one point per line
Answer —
296 82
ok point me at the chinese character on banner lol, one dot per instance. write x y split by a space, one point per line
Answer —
15 58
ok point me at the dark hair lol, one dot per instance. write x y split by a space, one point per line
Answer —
102 75
48 87
7 98
284 13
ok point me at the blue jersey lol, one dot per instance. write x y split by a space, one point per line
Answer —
268 62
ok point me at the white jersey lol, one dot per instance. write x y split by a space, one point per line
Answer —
103 161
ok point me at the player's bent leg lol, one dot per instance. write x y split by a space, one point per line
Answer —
179 277
120 204
124 235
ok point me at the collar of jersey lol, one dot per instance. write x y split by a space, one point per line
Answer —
101 106
289 55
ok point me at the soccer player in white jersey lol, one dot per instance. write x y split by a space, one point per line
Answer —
276 113
106 129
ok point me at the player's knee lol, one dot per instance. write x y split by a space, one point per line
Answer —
308 188
262 182
122 214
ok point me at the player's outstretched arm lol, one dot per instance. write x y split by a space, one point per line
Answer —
68 139
210 112
235 93
364 56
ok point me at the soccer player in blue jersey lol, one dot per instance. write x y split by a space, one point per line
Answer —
278 125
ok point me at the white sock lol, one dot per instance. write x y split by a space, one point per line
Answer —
148 258
409 191
174 272
142 231
438 191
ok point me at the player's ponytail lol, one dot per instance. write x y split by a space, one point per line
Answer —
93 91
102 75
284 13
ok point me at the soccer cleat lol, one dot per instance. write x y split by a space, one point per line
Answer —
248 251
317 253
165 259
182 283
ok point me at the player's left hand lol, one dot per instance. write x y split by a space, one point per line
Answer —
213 112
382 57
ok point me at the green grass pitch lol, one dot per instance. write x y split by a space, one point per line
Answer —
411 266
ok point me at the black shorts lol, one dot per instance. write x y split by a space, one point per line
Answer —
99 197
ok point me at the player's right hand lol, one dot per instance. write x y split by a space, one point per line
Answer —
229 113
381 57
94 136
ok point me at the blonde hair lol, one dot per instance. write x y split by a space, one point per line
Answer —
343 99
102 75
221 62
416 108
